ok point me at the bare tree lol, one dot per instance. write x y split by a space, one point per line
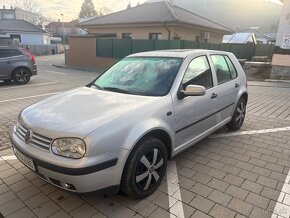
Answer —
104 11
33 7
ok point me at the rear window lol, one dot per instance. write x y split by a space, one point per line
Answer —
4 53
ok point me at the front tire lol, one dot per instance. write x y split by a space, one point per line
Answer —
21 76
145 168
239 115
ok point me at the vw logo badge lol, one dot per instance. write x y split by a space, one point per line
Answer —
28 136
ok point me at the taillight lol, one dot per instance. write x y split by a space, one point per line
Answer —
31 55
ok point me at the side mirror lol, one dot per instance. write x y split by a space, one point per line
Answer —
193 90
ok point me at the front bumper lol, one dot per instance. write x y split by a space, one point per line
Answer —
83 175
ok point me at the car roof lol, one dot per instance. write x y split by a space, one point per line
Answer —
178 53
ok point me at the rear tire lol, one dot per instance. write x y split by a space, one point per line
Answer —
239 115
145 168
21 76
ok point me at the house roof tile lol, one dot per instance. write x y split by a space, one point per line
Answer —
19 25
159 12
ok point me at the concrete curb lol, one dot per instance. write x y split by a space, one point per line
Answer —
78 68
276 80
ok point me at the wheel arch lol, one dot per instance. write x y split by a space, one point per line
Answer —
245 95
19 67
163 136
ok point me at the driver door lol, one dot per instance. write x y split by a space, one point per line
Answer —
194 115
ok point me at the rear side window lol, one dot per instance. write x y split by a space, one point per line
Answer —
4 53
231 67
222 69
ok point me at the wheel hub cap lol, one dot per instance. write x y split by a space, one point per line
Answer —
151 169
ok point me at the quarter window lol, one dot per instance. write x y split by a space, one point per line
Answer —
221 68
232 68
198 73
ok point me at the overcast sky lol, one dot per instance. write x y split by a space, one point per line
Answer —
71 9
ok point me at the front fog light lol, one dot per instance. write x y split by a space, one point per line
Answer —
69 147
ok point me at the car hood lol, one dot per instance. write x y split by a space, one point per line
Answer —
79 112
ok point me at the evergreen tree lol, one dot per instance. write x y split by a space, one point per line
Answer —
88 9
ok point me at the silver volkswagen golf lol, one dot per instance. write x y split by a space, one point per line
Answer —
119 131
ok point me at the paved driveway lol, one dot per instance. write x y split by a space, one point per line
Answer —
241 174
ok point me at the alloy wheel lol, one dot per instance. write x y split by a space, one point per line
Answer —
149 169
241 111
22 76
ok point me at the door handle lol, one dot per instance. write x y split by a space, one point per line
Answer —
237 85
214 95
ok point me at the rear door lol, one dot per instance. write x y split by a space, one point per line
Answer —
227 85
8 58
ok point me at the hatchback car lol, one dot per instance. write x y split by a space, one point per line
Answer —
16 64
119 131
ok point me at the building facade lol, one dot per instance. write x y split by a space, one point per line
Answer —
160 20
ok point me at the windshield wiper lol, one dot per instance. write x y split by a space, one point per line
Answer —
114 89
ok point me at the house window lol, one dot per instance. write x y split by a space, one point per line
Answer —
155 36
15 37
126 35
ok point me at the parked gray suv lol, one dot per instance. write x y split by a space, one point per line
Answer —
16 64
119 131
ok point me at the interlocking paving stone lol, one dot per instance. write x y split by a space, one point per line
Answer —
258 200
24 212
219 211
46 209
202 204
220 197
237 192
240 206
220 177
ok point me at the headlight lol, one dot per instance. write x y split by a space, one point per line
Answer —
69 147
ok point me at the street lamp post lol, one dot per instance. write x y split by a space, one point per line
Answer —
63 38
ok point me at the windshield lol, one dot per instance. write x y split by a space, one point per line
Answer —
150 76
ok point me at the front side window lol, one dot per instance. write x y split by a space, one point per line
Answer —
221 68
198 73
149 76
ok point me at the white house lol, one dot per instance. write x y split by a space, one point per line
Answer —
23 32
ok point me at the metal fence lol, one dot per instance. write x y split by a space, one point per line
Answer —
40 50
119 48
